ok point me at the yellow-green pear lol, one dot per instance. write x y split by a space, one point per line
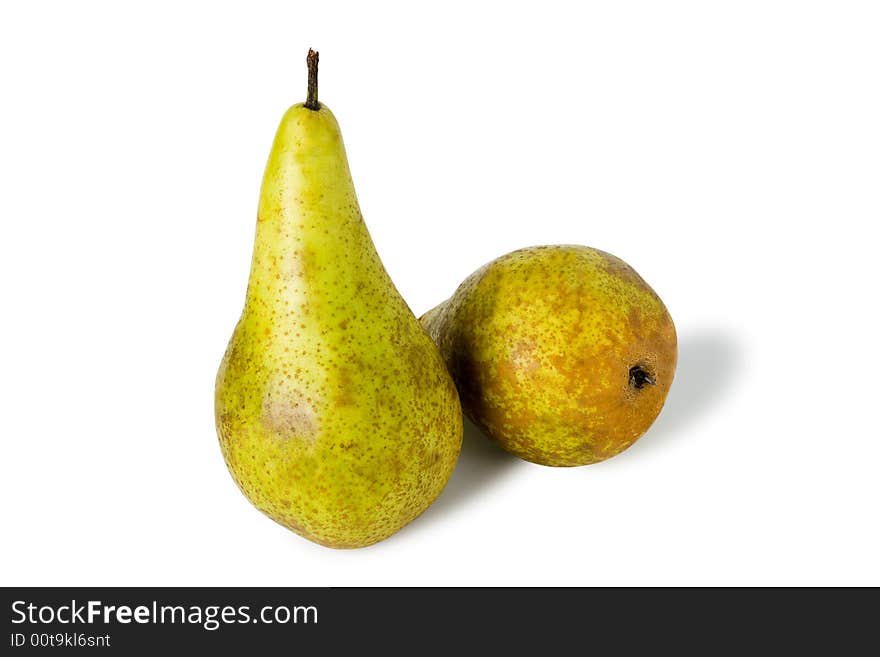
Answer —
562 354
335 413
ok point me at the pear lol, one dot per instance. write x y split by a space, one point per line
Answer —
562 354
334 410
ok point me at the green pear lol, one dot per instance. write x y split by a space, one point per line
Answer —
336 415
562 354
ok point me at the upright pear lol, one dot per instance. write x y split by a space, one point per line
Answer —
335 413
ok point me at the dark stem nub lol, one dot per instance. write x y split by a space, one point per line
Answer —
312 97
639 377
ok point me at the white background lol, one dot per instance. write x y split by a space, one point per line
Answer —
729 151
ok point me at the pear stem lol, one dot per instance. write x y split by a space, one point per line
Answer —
312 96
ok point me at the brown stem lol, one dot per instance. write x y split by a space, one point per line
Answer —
312 97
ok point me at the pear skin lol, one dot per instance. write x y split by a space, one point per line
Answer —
562 354
334 410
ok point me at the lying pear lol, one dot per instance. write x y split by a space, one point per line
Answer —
562 354
335 413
